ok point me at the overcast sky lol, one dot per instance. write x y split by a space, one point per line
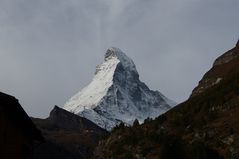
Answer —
49 48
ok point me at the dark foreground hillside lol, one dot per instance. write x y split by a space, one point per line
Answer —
204 127
18 135
61 136
72 134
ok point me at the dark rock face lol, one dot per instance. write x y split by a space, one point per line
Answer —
20 138
18 134
227 57
222 66
130 98
64 120
68 136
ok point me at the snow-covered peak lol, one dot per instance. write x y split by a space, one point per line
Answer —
91 95
117 95
115 52
126 62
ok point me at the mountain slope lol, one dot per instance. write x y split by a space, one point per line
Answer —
204 127
61 136
67 135
222 67
18 134
117 95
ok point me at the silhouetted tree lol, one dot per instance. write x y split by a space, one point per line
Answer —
136 123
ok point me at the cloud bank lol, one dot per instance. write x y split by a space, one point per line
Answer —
49 49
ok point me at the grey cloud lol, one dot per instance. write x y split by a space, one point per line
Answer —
49 49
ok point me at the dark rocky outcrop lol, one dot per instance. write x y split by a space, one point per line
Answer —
61 119
18 135
222 67
62 135
68 136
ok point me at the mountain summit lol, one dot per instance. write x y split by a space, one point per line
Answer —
117 95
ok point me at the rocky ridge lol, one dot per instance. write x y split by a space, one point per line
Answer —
216 74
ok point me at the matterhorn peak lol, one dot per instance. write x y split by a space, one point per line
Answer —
114 52
126 62
117 95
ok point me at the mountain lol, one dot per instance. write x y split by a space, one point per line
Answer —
61 119
21 139
18 134
117 95
62 135
203 127
67 136
222 67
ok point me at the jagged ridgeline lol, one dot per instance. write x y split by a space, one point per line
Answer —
117 95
